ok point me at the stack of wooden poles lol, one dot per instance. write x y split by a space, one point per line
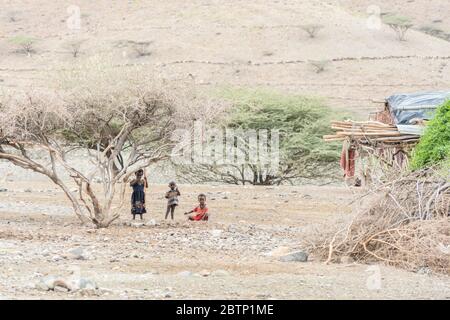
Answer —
368 131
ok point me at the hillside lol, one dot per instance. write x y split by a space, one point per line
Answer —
239 43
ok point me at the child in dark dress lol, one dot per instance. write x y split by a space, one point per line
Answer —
138 196
172 199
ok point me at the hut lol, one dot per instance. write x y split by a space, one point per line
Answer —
389 135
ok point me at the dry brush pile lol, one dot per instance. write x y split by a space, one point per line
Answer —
406 225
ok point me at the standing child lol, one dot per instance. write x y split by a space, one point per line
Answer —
172 199
138 196
201 210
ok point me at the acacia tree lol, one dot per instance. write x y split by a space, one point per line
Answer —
121 131
276 139
399 24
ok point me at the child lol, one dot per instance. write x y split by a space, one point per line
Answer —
201 211
172 199
138 196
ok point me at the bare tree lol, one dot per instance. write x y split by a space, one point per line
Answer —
25 44
312 29
121 130
74 47
141 48
13 16
399 24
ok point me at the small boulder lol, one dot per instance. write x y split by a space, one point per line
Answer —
185 274
151 223
137 224
220 273
46 283
278 252
61 289
56 258
298 256
87 284
204 273
77 254
216 233
61 285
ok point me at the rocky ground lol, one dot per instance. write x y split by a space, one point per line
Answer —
242 253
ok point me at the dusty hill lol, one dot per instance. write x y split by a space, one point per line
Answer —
241 43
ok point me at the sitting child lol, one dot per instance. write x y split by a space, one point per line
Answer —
201 210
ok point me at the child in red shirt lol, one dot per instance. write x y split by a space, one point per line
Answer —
201 211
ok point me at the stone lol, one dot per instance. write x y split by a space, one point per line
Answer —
87 284
77 254
3 190
56 258
216 233
204 273
61 289
137 224
424 270
62 285
185 274
278 252
41 286
220 273
298 256
46 283
151 223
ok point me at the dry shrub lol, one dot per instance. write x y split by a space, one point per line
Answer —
406 225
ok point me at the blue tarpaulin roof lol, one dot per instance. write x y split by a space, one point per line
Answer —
423 105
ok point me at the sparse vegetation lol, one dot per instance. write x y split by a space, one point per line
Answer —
435 32
74 47
141 48
399 24
312 29
319 65
24 43
13 16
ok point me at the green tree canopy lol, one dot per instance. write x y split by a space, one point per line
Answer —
434 146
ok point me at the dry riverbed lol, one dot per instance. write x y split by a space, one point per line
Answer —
237 255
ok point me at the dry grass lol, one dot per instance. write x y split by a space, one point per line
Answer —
406 225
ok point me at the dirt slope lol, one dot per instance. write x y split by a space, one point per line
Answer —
240 43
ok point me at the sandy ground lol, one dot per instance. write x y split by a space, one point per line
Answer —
226 258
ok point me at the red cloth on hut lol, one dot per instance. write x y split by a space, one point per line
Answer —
348 161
